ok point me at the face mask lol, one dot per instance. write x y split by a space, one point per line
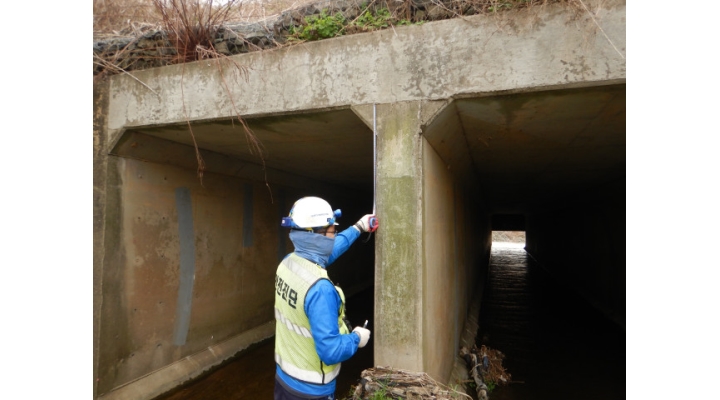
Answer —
312 246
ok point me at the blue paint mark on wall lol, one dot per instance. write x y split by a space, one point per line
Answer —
283 231
187 265
247 229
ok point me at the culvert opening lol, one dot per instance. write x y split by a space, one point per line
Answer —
508 230
232 217
508 238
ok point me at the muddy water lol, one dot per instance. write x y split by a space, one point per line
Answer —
250 375
556 345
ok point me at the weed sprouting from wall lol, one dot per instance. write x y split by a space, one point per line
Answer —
191 25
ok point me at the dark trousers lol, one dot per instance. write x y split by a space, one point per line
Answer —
281 393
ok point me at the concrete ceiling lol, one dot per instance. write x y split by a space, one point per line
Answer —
334 147
531 148
519 149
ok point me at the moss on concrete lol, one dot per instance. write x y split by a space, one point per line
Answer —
399 270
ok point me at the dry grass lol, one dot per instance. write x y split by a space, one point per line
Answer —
392 383
128 17
485 369
122 17
191 26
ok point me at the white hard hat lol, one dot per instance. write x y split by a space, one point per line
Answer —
311 212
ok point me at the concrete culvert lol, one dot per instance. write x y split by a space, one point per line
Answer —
472 122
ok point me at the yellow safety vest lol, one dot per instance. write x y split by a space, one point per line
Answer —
294 346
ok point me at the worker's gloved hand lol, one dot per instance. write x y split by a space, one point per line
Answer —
368 223
364 335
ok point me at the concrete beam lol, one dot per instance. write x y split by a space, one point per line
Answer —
553 46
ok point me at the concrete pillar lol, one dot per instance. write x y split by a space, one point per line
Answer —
398 256
433 237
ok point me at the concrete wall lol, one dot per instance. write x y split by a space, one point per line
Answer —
432 251
456 247
581 241
191 267
191 272
100 105
184 268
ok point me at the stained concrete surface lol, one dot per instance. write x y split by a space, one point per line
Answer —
250 375
556 345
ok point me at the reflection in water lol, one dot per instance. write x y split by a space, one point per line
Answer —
556 345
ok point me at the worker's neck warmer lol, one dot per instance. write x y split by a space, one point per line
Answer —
312 246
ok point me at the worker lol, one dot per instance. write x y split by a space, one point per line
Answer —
312 335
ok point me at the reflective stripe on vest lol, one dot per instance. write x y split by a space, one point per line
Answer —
303 375
294 346
300 330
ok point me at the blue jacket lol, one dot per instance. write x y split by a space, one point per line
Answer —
322 303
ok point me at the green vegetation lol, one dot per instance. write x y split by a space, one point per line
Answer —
381 19
318 27
491 386
408 22
324 26
500 5
380 394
